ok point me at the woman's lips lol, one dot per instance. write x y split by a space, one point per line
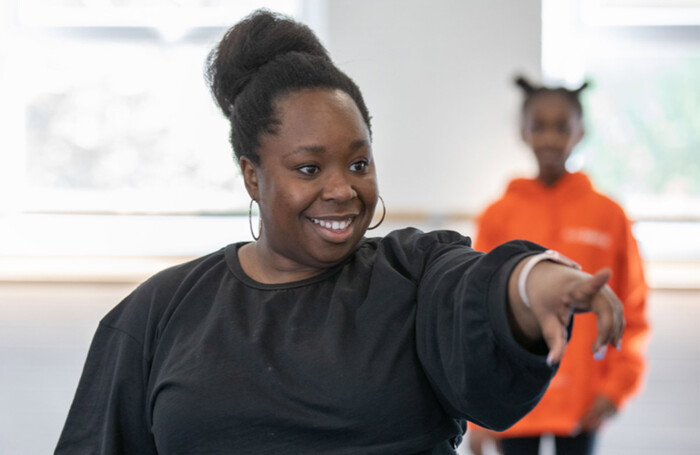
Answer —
334 229
336 225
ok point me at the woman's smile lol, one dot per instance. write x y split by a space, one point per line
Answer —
334 229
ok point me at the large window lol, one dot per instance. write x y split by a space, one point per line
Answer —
105 108
643 110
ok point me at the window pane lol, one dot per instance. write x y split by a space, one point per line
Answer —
642 111
108 107
118 115
124 116
644 123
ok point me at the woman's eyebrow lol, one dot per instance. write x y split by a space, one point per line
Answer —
319 149
314 149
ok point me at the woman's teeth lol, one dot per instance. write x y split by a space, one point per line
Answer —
335 225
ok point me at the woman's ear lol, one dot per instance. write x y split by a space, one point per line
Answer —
250 176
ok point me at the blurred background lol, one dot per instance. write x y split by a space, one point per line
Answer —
115 163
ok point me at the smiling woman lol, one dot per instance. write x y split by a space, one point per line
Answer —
313 338
321 194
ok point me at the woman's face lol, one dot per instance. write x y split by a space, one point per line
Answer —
552 128
316 183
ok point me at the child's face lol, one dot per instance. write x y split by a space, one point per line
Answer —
552 128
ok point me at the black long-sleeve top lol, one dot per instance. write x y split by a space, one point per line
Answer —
385 353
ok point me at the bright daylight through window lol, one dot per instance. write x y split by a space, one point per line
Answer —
114 113
642 58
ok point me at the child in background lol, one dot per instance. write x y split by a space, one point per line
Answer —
562 211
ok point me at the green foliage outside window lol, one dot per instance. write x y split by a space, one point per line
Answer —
643 127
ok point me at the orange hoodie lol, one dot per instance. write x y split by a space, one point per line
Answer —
574 219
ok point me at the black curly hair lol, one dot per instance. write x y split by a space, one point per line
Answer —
263 57
531 92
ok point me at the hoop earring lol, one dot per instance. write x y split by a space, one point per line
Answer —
383 215
250 220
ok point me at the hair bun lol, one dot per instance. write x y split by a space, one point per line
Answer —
524 84
582 87
249 45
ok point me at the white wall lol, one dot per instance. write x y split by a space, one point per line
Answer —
437 78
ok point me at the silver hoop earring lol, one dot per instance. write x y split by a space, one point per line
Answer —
250 220
383 215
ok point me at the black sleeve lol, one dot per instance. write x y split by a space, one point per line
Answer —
464 340
111 413
108 414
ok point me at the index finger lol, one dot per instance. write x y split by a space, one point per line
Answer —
585 291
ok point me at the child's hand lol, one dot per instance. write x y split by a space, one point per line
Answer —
479 440
601 410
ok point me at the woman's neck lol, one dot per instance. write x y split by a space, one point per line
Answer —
257 262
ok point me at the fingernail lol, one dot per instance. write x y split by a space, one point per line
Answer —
618 346
550 361
600 353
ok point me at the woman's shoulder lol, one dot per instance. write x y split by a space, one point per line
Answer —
410 248
149 302
411 238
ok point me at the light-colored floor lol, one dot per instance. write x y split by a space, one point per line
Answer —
45 330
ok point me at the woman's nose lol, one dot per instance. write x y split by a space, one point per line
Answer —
338 187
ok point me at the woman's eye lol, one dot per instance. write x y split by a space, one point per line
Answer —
359 166
309 169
